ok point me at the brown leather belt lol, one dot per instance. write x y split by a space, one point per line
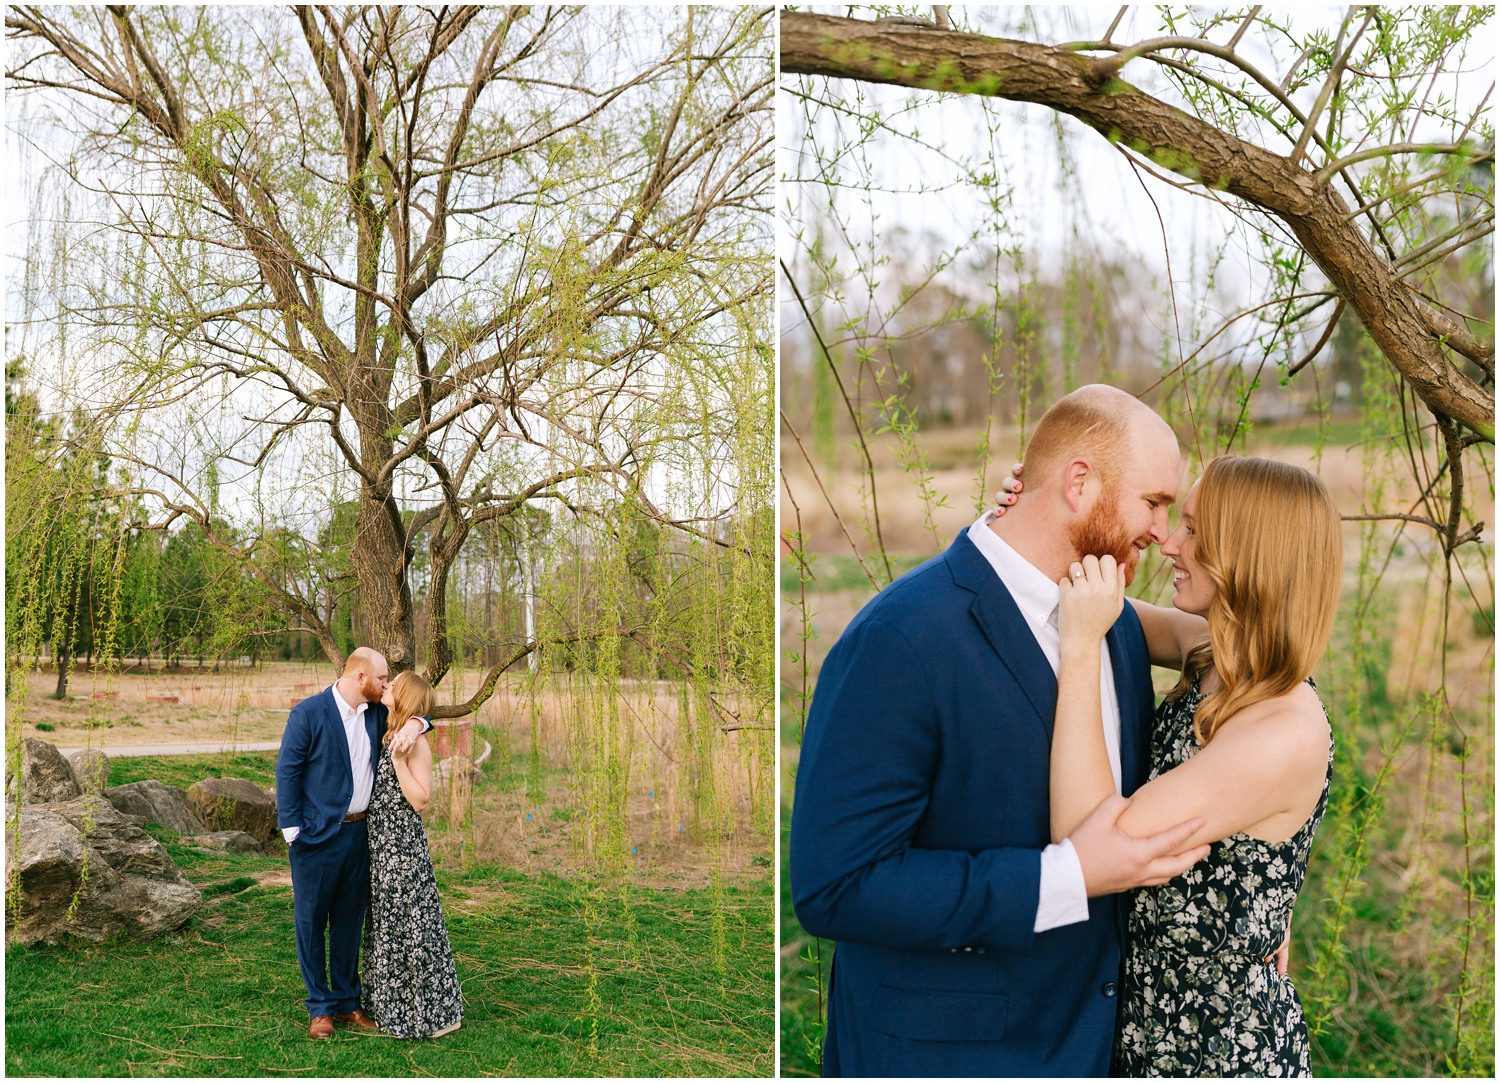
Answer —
354 817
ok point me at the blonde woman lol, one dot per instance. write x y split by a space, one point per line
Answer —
409 983
1242 742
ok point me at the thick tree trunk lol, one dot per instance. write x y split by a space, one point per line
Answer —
1398 320
380 554
379 557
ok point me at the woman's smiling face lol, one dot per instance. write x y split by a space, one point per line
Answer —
1194 591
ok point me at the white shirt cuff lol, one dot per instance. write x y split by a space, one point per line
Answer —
1064 897
290 833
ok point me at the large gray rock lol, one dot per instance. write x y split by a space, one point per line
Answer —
122 844
233 842
122 879
90 769
48 864
235 804
157 803
45 775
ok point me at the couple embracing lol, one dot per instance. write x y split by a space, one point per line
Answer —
1027 874
353 772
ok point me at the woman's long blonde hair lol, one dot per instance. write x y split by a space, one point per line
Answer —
1269 539
411 695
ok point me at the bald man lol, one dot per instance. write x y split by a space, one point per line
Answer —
969 944
324 774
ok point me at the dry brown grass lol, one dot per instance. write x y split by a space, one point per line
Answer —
231 703
953 457
675 841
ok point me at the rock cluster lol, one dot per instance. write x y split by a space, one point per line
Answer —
79 862
79 867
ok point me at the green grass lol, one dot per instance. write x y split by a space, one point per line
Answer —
839 573
1392 1015
223 997
801 1028
184 771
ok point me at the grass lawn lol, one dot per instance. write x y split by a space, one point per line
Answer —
184 771
560 978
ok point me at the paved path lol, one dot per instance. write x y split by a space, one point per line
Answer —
199 748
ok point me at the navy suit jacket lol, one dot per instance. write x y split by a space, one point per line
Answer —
920 813
314 779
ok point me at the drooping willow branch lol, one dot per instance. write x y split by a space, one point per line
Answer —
1091 91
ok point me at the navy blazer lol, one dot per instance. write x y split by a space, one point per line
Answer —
920 813
314 779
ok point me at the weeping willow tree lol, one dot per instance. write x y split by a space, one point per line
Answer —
1275 228
370 305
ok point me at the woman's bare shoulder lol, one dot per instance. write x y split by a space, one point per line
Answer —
420 747
1293 723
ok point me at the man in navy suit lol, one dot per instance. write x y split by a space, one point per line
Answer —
968 944
325 772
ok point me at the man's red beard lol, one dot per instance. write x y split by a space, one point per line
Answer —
1103 532
369 688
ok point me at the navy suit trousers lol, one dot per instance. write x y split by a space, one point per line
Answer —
330 891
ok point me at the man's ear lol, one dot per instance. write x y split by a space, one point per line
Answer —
1080 479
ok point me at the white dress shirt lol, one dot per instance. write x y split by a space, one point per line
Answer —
1063 898
359 757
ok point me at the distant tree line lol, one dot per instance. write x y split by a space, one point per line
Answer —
98 584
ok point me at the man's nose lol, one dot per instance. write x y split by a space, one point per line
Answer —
1161 526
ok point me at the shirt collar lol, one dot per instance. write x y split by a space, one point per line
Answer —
346 712
1034 594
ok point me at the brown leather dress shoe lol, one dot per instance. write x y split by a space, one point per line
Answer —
321 1026
357 1018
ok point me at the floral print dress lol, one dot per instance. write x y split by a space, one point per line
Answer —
1200 999
408 982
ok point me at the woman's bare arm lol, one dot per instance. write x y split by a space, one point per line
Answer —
1080 776
1264 769
1170 633
414 773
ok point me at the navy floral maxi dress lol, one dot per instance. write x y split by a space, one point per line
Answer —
408 982
1200 999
